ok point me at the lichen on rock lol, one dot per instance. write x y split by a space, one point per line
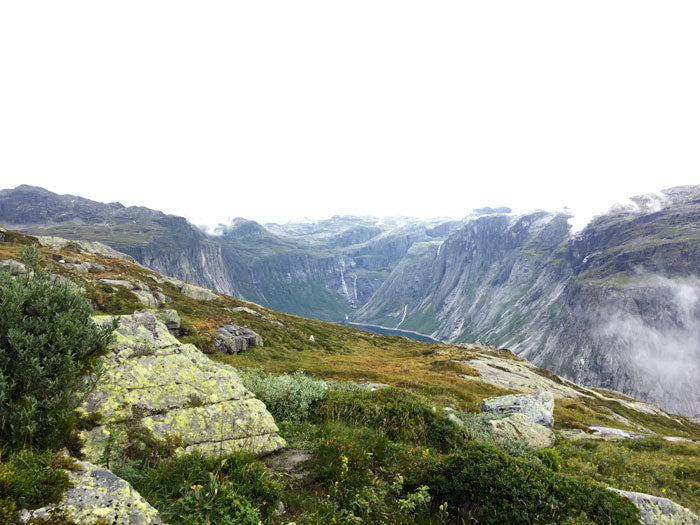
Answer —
96 493
660 511
172 390
539 407
232 339
519 426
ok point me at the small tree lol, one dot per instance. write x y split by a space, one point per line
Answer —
48 346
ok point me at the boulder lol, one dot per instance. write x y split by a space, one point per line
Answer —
170 319
3 231
192 291
232 339
95 494
13 267
520 426
656 511
150 298
539 407
153 385
89 247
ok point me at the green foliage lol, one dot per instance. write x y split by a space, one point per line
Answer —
191 487
402 415
47 341
493 487
287 397
648 465
550 458
29 480
360 473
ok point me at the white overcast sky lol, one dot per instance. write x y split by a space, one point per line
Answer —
283 110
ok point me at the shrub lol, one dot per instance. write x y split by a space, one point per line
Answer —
247 486
402 415
47 341
493 487
287 397
30 480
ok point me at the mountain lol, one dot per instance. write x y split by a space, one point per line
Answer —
616 305
319 269
369 412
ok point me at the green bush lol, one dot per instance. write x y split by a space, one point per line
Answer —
403 416
493 487
287 397
181 486
360 472
47 341
29 480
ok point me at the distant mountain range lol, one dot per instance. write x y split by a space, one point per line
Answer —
616 305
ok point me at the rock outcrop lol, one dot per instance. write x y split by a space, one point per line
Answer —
660 511
519 426
146 295
13 267
153 385
232 339
538 407
97 494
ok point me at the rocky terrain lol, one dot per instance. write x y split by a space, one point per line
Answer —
157 390
614 305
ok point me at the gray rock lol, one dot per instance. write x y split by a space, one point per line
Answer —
144 294
170 319
12 267
98 493
520 426
3 231
232 339
192 291
453 417
538 407
657 511
76 287
168 389
612 434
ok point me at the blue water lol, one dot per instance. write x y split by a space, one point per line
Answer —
393 331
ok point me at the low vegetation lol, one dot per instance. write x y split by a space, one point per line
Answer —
390 455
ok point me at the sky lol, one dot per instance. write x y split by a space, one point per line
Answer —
276 111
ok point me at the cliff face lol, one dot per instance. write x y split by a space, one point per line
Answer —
617 305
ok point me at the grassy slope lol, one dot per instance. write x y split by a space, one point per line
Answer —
345 353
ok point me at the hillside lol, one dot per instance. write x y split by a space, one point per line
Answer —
409 378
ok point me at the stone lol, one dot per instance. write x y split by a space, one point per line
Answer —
144 294
656 511
172 390
14 268
96 493
539 407
171 319
192 291
232 339
453 417
520 426
3 231
611 434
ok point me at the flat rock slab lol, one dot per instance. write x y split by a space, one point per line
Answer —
538 407
519 426
173 390
657 511
98 494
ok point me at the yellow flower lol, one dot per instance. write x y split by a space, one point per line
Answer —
328 496
442 507
336 483
663 490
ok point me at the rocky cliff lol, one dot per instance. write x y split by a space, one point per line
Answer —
616 305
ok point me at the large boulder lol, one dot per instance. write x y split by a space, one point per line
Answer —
155 386
519 426
539 407
231 339
657 511
97 494
3 231
192 291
